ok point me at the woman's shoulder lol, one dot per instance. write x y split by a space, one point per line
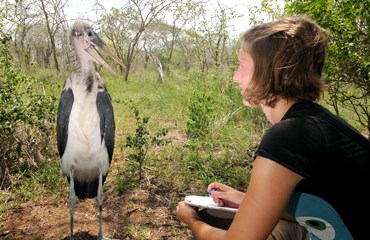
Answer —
297 126
300 128
296 143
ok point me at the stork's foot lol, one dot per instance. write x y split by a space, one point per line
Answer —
100 237
86 236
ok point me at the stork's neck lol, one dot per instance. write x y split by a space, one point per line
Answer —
83 76
83 84
86 65
79 61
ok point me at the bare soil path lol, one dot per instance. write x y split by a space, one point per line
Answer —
143 213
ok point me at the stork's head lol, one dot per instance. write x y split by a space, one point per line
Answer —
85 42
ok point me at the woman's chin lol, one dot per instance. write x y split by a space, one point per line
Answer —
247 103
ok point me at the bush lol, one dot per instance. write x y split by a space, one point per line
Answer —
200 112
141 141
26 117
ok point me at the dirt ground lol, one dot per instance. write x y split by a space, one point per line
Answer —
147 212
139 215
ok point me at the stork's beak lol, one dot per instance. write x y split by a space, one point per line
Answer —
96 42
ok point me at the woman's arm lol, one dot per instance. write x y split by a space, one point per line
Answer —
269 190
199 228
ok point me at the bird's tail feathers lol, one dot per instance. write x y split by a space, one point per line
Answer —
88 189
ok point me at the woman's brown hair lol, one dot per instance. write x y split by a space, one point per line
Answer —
288 55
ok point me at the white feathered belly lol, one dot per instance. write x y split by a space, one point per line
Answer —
85 151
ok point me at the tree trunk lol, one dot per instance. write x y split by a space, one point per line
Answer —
52 41
158 67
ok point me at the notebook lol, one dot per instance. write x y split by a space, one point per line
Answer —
206 202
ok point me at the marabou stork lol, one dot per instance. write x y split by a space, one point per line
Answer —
85 120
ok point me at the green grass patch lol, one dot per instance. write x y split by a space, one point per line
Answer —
188 163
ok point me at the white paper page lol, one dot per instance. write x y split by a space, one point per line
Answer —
206 202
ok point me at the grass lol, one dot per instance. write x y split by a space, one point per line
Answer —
234 131
185 165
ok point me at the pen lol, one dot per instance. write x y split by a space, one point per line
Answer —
210 191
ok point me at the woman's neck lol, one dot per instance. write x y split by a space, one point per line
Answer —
276 113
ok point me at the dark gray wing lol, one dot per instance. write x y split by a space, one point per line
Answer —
105 110
64 111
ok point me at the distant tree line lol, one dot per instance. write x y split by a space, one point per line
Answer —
182 35
179 34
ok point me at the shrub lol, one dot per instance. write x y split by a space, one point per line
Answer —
141 141
26 117
200 112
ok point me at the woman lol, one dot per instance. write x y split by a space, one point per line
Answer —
311 164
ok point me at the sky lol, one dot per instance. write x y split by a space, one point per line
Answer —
80 8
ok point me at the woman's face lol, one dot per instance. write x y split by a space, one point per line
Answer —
244 74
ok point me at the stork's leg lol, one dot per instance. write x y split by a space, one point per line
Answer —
100 202
71 200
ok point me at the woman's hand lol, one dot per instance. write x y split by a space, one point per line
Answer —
186 213
225 195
